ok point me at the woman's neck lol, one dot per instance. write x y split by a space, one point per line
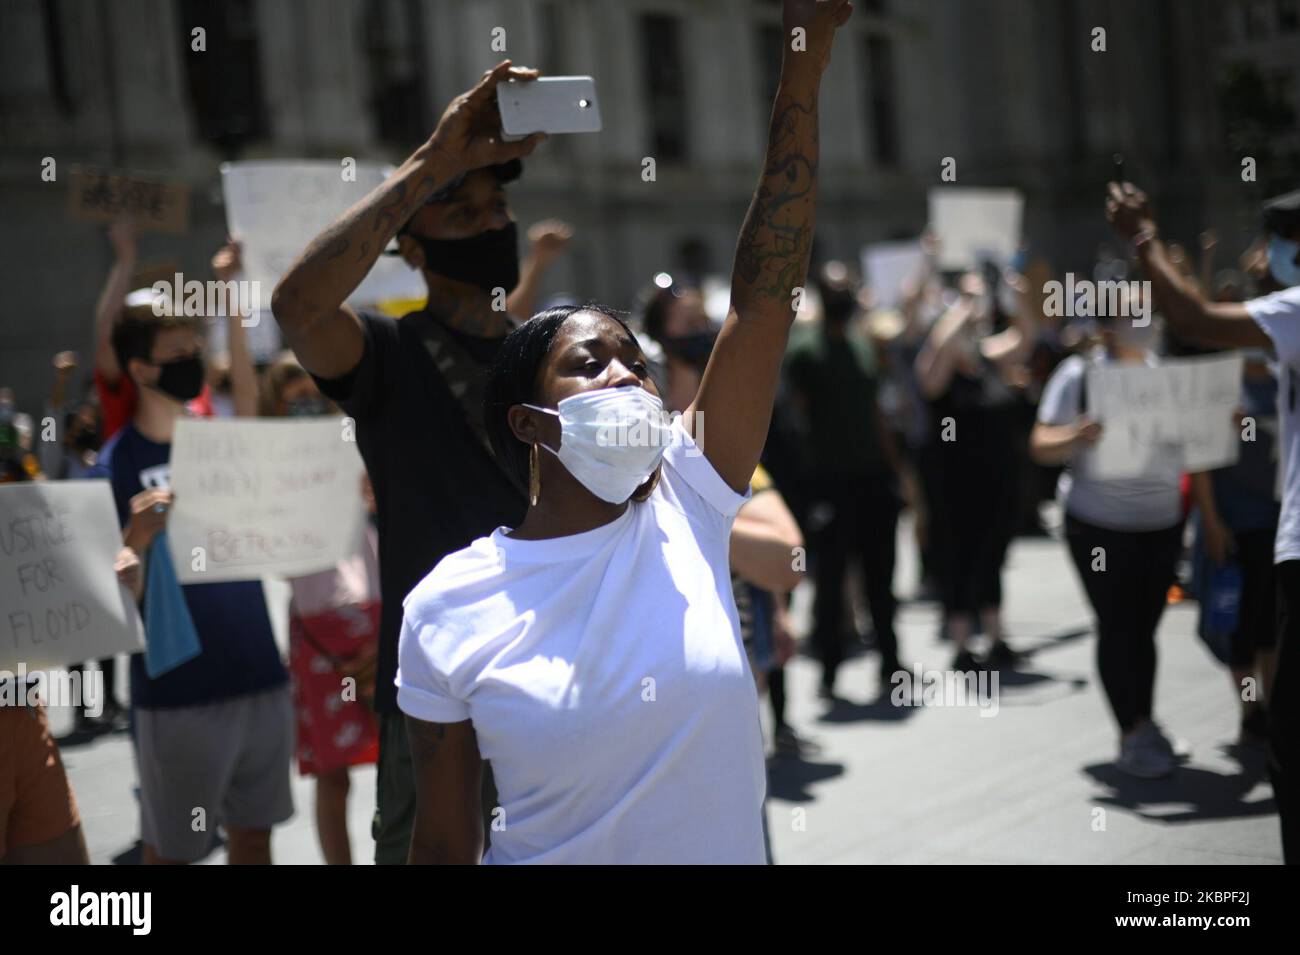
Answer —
564 508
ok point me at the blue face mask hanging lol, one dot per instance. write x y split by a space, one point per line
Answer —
170 637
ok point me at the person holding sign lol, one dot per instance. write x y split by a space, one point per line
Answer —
1270 320
592 653
1124 534
215 733
414 386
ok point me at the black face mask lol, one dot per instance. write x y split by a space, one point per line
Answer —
181 379
489 260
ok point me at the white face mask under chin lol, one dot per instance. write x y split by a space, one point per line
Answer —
612 439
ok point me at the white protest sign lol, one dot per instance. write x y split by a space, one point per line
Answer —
274 209
1182 409
975 224
60 601
263 497
888 267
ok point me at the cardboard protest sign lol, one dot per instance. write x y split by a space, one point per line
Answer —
60 600
888 267
276 208
1182 408
263 497
975 224
98 195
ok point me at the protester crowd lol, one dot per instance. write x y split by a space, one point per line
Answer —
962 407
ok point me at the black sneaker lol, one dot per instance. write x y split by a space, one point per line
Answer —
965 661
1254 728
1001 656
787 742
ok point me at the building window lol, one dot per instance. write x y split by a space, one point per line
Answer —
882 112
393 31
225 79
661 52
1257 26
1288 16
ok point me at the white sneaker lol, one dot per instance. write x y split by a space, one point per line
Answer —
1145 756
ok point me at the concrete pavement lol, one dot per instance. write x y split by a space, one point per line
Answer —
937 784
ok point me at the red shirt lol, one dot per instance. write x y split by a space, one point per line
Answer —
117 402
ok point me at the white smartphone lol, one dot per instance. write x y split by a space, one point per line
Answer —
549 104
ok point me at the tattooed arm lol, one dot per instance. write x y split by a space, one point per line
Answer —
308 301
448 773
734 402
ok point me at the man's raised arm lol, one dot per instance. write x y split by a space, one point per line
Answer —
739 384
308 301
1222 324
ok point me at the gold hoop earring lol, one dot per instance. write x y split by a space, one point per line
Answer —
649 487
534 476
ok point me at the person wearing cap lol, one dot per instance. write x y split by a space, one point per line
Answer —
1272 319
215 732
415 385
116 391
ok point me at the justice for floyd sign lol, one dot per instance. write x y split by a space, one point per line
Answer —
60 600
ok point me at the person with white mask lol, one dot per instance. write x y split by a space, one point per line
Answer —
592 654
1272 319
1124 536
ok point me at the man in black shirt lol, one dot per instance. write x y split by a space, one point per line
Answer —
414 386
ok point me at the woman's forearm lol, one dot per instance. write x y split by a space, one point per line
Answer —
1053 444
776 238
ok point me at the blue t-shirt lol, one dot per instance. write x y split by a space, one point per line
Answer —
239 652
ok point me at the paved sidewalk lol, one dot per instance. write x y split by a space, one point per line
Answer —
1033 783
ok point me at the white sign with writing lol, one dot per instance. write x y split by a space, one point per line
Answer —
60 601
1183 407
888 267
274 209
263 497
975 225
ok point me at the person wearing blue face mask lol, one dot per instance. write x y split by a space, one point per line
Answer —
591 652
1272 320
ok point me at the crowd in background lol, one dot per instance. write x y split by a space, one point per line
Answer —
861 438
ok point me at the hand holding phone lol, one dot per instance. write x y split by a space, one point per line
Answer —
551 104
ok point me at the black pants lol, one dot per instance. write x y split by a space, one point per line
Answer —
1256 628
1128 598
862 520
1284 710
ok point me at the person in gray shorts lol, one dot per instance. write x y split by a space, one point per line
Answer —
221 763
215 732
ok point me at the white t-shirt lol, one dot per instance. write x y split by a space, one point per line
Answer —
606 680
1279 315
1147 502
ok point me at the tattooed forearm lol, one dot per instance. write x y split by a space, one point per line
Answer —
772 252
336 261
